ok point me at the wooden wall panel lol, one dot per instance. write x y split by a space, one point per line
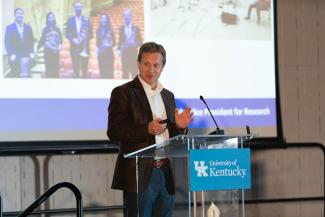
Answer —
322 103
92 174
289 101
287 33
15 187
308 104
307 29
301 89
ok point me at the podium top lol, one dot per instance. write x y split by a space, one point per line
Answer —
179 146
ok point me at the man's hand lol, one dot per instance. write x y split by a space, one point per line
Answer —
183 119
75 41
156 128
12 58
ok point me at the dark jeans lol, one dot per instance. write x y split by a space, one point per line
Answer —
79 62
20 67
154 201
129 63
131 203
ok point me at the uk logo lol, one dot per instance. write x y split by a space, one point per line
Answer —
200 168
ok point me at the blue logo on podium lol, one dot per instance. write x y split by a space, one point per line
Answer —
219 169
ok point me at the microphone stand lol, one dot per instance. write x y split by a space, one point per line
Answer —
218 130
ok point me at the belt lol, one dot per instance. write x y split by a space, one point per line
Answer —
160 163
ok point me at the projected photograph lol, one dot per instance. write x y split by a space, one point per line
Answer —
96 39
220 19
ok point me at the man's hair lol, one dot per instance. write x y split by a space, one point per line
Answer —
77 2
127 11
152 47
18 9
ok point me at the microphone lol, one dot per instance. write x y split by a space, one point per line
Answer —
218 131
249 137
248 130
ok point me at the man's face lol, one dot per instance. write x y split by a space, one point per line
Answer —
150 68
19 15
127 17
78 9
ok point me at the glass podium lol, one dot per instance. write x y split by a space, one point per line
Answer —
224 201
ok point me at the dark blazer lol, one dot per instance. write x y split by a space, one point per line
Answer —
71 33
121 44
21 47
129 114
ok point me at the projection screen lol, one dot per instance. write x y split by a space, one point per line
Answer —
52 91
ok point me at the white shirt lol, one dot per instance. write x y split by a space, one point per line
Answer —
157 107
20 28
128 30
78 24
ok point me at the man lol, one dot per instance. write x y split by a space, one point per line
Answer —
134 121
259 5
128 43
19 43
79 33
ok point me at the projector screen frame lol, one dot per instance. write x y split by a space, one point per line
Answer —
22 146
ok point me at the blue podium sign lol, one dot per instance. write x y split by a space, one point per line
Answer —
219 169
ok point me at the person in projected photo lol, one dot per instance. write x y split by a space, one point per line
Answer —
51 40
135 115
79 33
128 44
19 43
259 5
105 41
